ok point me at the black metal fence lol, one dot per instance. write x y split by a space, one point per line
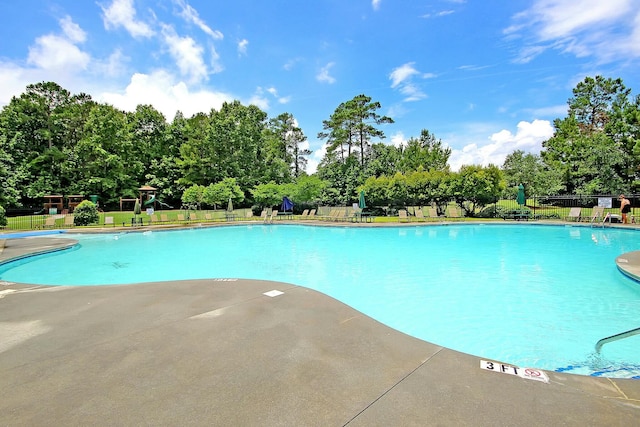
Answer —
560 208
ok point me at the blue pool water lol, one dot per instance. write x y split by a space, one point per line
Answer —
530 295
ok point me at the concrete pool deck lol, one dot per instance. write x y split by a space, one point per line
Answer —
220 352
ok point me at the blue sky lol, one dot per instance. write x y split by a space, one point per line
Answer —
485 76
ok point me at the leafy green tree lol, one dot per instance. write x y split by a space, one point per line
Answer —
195 195
474 187
196 160
164 172
376 190
3 217
383 160
397 190
285 156
148 132
267 195
353 123
236 139
529 170
224 190
307 189
592 148
104 161
424 153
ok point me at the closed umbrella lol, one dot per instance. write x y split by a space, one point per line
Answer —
230 205
361 202
521 197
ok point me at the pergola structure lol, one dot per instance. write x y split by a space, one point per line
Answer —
53 201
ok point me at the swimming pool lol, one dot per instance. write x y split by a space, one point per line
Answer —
530 295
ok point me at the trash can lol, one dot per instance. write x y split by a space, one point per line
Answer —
93 198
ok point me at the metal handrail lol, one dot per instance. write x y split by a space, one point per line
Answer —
616 337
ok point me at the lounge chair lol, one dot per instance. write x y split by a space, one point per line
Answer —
305 213
181 217
50 222
433 213
312 213
574 214
402 216
108 220
68 221
342 215
164 218
152 218
274 214
453 212
420 215
208 217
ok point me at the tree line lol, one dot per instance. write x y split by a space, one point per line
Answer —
55 142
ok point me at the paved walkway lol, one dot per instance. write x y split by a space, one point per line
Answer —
209 352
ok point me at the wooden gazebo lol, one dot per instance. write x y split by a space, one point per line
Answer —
53 201
74 200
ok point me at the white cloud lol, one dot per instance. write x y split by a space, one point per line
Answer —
402 73
528 137
191 15
122 14
114 65
59 52
608 30
324 76
242 47
72 30
316 156
166 93
187 53
402 79
375 4
398 139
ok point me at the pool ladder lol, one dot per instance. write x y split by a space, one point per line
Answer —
616 337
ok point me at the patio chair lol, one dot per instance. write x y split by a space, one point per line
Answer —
181 217
152 218
68 221
50 222
420 215
433 213
453 212
164 218
402 216
305 213
574 214
312 213
274 214
108 220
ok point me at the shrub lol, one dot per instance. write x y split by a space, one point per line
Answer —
85 213
3 217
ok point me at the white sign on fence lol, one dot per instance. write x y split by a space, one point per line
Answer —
605 202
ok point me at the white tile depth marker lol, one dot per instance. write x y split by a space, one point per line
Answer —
273 293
